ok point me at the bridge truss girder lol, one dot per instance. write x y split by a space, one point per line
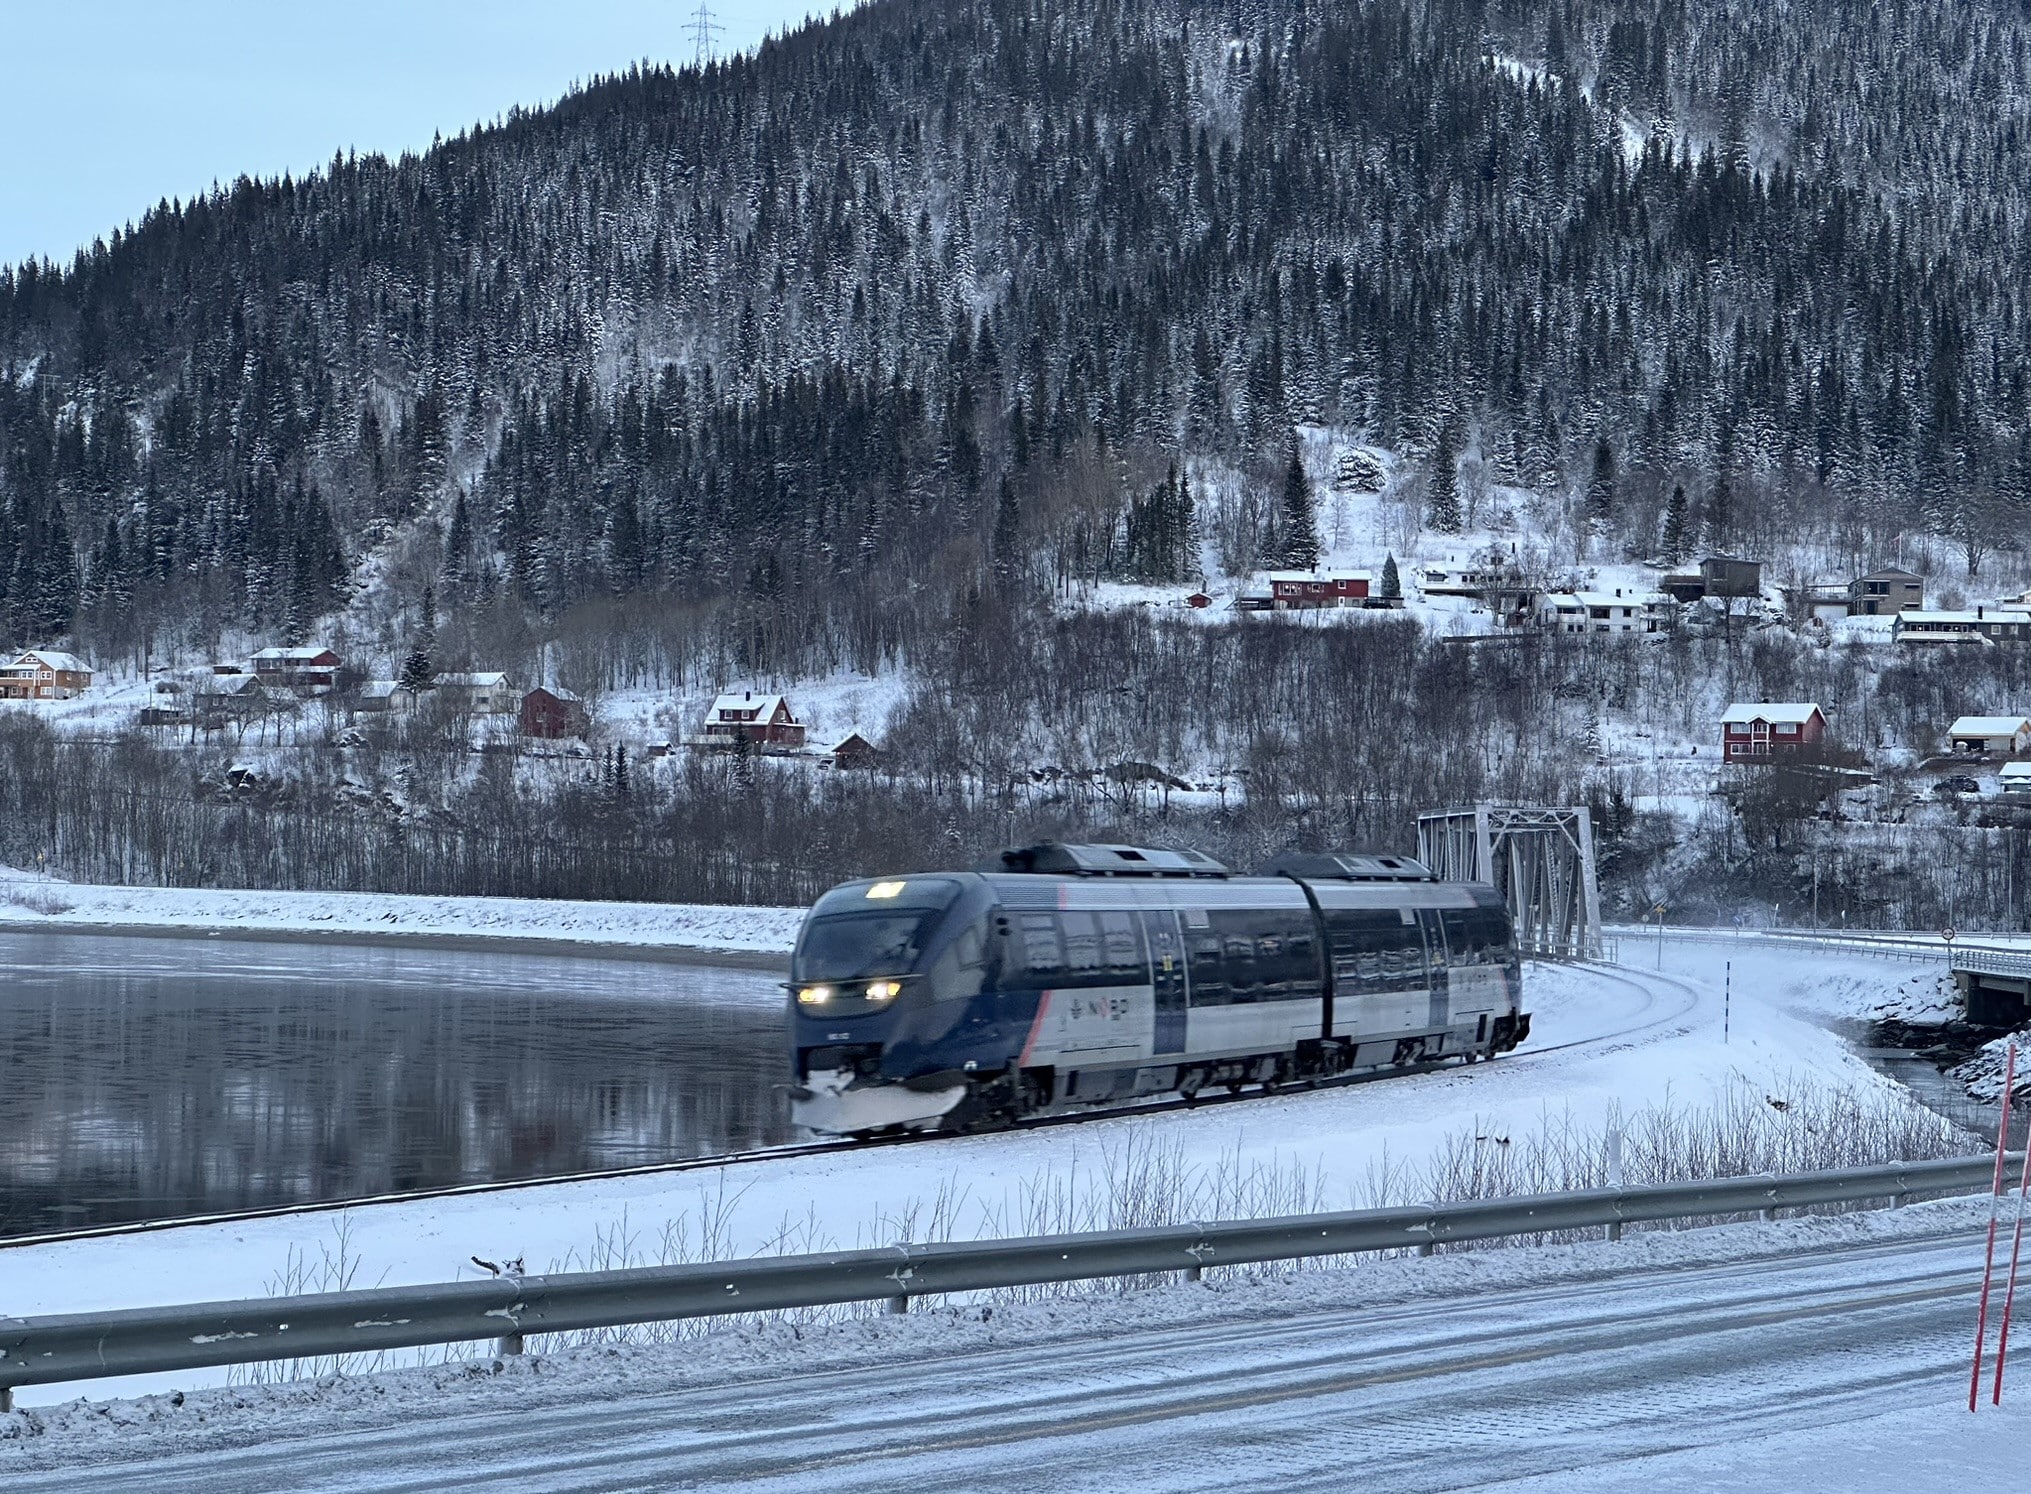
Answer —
1540 858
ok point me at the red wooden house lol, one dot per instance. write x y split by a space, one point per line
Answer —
1291 589
1757 732
763 720
309 669
549 713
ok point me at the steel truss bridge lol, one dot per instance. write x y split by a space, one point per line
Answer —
1539 857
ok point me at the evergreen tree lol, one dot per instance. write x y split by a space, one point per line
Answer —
1392 583
1443 507
1720 516
1600 508
1675 518
1297 530
417 671
457 542
1008 522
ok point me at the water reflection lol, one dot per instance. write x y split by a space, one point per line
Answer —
147 1078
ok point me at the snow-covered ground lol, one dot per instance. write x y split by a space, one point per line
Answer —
31 902
1608 1048
1797 1356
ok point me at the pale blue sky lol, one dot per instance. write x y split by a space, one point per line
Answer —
108 106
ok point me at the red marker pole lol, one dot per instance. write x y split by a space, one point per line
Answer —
1995 1199
2010 1290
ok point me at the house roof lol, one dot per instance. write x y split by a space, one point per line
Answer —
305 655
1913 618
1890 573
1637 599
490 680
1788 712
1989 726
229 684
851 738
764 707
379 689
556 692
49 659
2013 772
1320 577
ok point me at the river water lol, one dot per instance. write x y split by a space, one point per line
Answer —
154 1078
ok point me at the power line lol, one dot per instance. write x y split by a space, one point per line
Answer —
703 29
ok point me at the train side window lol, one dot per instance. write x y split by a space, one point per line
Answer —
1205 968
1237 958
1495 930
1301 952
1121 948
1082 944
1043 957
1464 944
1375 948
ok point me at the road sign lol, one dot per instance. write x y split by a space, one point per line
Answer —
1948 934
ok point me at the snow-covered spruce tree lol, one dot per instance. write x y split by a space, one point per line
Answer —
1600 508
1392 583
1443 506
1297 528
1672 549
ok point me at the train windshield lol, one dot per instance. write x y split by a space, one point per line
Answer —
860 935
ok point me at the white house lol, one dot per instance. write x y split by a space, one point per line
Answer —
1990 736
488 694
1604 611
2014 778
385 697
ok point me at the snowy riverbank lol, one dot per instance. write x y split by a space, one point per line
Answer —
31 903
1654 1052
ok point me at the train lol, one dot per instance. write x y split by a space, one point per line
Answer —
1067 977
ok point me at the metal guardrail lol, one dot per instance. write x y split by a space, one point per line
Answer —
1975 958
85 1346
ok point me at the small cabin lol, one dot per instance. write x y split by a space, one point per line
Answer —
1989 736
855 753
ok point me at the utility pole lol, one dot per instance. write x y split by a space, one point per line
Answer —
703 28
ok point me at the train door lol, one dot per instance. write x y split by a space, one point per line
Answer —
1167 976
1435 966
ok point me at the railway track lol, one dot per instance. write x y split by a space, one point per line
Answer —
1683 998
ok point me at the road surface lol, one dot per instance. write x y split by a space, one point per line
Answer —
1651 1376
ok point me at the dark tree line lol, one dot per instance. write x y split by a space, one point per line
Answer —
831 321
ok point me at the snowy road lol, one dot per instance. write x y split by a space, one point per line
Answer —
1664 1376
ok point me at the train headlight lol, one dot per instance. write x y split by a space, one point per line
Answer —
813 995
882 992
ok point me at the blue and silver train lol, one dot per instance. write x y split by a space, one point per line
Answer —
1075 976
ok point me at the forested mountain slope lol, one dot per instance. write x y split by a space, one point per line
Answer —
770 337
